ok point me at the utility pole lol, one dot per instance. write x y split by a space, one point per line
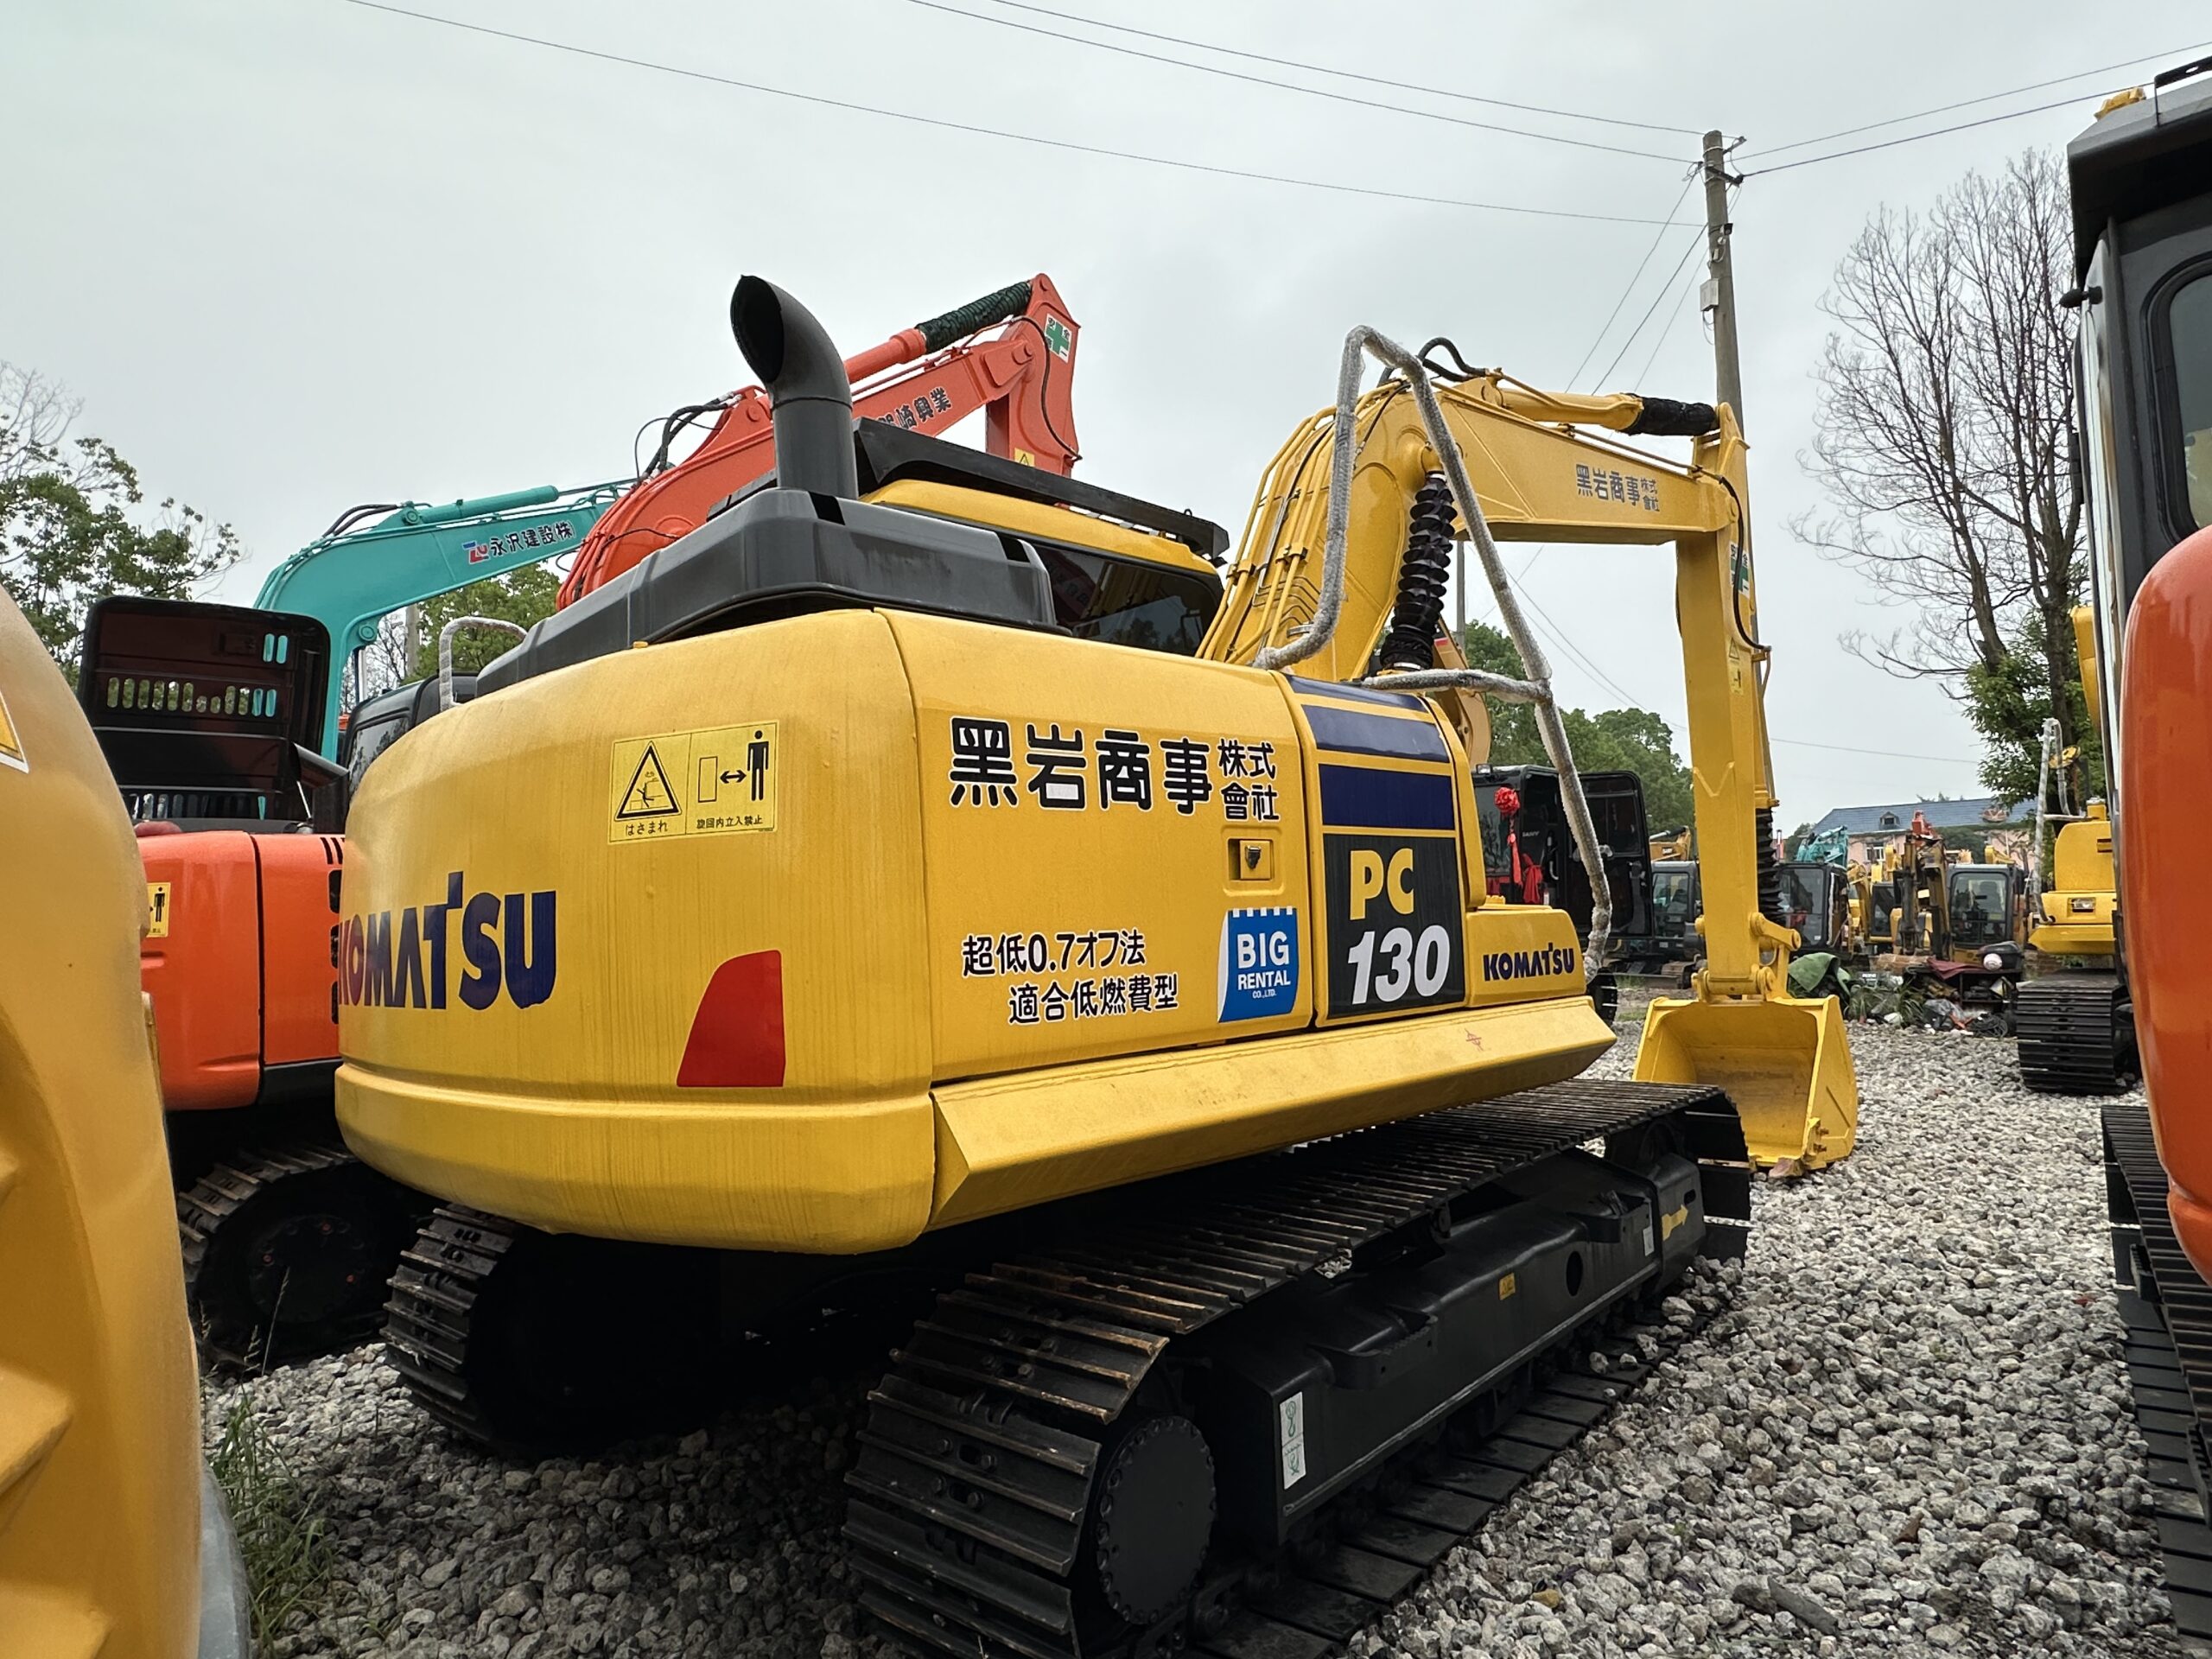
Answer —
1719 296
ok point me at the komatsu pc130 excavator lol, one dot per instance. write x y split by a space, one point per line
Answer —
807 907
287 1241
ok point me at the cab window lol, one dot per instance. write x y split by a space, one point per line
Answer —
1981 903
1126 603
2188 323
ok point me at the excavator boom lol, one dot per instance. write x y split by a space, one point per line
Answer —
1021 379
1537 474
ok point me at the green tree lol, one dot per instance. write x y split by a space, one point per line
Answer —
2008 702
522 597
1614 740
71 528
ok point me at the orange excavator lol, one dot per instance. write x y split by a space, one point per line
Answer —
1020 380
210 717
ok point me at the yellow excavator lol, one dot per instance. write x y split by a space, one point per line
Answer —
2074 1019
806 910
112 1541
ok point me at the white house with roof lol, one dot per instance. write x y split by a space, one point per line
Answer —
2006 826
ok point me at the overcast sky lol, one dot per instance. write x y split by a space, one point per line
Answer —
297 254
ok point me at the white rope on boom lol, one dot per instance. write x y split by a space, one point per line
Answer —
1535 689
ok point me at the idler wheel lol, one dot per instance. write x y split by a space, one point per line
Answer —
1153 1518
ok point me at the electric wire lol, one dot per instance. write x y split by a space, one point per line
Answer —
1885 754
1605 326
851 106
1394 83
1666 288
1914 137
1986 98
1643 374
1288 86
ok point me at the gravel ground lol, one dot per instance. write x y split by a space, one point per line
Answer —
1907 1433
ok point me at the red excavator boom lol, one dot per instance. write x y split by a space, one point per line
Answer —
1021 378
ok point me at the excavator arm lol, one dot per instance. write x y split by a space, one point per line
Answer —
1543 466
1021 379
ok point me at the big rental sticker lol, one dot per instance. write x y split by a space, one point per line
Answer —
718 780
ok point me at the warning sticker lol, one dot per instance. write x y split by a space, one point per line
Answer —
11 746
157 910
717 781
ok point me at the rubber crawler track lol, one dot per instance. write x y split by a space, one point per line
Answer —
2167 1308
2075 1034
1021 1372
204 1208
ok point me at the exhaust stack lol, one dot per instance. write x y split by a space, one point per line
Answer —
791 352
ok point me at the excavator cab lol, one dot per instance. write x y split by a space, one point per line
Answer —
207 716
1816 899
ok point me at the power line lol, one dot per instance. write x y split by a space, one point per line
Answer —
912 119
1392 82
1986 98
1665 288
1885 754
1915 137
1285 86
1689 179
1643 374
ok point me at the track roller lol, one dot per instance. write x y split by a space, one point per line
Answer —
287 1250
2076 1034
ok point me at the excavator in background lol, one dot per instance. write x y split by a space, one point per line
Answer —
1529 850
2075 1024
810 908
288 1239
2142 218
114 1541
1021 380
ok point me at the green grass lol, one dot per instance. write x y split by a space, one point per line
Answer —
289 1558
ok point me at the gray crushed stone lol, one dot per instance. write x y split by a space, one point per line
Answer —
1906 1431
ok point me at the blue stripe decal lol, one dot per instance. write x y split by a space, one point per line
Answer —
1357 733
1368 797
1354 693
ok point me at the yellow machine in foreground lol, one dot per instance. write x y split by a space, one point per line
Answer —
809 904
101 1487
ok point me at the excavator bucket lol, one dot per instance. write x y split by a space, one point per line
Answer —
1785 1062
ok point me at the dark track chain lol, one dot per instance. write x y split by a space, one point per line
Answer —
977 1460
211 1202
2069 1026
435 1288
2167 1308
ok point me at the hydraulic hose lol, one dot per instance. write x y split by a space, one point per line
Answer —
962 320
1424 572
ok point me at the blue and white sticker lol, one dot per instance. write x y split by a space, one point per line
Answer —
1258 977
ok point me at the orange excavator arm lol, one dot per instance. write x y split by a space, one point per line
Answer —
1021 378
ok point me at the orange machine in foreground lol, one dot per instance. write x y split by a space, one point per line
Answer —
205 713
1021 380
2141 182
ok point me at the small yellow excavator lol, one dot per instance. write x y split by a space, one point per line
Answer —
806 910
112 1542
2074 1019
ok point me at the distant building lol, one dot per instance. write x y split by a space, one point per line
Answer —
2007 828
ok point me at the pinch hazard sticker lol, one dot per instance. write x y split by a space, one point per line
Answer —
11 746
718 781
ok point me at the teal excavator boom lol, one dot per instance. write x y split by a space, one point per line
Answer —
357 572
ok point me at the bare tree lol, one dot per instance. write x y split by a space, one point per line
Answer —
1942 440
